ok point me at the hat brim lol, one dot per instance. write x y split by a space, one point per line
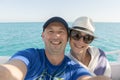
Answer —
84 31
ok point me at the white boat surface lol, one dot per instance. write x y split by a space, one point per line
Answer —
115 66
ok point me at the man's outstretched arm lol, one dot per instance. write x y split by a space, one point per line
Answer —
13 70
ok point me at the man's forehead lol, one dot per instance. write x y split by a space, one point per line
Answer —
56 24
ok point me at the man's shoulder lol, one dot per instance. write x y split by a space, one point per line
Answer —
29 52
33 50
71 63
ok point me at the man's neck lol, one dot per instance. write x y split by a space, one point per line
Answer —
55 59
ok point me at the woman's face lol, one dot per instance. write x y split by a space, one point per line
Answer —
79 41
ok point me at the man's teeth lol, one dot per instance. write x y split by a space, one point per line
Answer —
55 42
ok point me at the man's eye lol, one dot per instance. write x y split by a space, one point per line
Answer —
61 32
50 31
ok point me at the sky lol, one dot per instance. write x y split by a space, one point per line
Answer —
41 10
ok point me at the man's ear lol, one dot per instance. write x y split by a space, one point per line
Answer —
42 35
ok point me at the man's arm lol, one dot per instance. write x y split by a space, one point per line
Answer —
13 70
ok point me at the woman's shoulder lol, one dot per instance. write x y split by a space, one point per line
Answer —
96 51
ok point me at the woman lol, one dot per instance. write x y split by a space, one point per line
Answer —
92 58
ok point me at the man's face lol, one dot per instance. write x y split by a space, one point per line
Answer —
55 38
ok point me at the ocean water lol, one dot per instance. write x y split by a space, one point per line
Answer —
18 36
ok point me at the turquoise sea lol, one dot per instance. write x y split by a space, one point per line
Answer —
21 35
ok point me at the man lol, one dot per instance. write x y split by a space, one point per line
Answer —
46 64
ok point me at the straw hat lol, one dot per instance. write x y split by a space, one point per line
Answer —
84 24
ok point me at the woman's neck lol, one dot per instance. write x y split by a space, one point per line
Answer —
82 57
